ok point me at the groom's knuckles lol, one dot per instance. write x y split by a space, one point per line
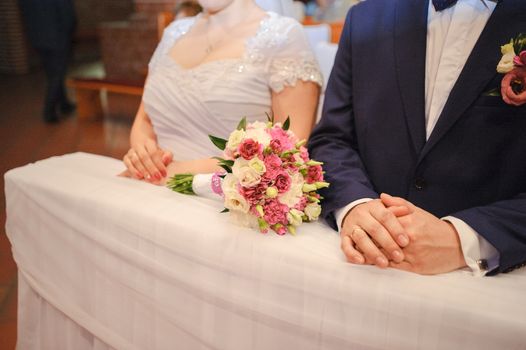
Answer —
382 214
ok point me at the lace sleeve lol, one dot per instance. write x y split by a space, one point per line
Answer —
170 35
293 60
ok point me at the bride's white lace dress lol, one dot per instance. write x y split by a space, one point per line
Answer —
185 105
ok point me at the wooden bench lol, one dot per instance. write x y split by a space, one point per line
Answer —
88 93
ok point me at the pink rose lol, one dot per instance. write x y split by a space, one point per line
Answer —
255 194
301 204
273 166
276 146
275 212
520 59
304 154
280 136
249 148
314 174
282 182
281 230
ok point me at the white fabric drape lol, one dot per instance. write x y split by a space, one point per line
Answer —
108 262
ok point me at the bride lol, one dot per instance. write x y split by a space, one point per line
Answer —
210 71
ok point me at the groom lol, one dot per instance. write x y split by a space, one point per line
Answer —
427 170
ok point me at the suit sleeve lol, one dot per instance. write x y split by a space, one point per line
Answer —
502 224
334 140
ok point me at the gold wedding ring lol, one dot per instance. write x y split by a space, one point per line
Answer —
356 228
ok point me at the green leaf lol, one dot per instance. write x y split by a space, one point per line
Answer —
493 92
219 159
286 125
225 210
270 117
226 167
218 142
519 43
242 124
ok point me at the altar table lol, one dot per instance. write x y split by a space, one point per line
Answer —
112 263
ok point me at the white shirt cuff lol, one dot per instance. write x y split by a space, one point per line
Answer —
340 213
475 247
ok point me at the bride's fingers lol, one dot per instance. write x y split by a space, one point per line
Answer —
167 157
151 170
352 254
133 172
156 155
136 162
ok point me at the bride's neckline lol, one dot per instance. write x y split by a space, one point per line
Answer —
260 29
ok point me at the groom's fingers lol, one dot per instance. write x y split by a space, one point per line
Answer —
387 229
401 210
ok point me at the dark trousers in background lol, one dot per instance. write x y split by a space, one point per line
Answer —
55 63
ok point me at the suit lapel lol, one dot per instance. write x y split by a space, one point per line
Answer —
479 69
410 56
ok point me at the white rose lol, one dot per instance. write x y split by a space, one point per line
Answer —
506 62
246 176
258 165
294 217
229 183
257 125
313 211
235 139
259 134
294 194
236 202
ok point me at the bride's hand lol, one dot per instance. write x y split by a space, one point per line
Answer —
147 162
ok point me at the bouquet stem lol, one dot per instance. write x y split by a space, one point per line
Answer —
181 183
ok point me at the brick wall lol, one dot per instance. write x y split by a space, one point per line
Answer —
14 57
91 13
154 6
127 47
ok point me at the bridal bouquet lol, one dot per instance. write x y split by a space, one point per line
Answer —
269 180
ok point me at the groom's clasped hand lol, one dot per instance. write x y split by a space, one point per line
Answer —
391 231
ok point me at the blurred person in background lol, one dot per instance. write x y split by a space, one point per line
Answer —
50 25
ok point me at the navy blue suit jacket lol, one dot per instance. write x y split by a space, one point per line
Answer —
372 133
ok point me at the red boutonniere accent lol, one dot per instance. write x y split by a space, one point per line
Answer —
513 65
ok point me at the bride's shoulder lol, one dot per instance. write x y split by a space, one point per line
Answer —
179 26
282 24
277 30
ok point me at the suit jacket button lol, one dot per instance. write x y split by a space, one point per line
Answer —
420 184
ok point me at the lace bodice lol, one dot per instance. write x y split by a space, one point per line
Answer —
185 105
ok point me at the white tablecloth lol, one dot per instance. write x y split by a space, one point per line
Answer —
109 262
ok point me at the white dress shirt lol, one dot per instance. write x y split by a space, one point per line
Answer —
451 36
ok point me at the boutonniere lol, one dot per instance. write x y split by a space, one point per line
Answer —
513 65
